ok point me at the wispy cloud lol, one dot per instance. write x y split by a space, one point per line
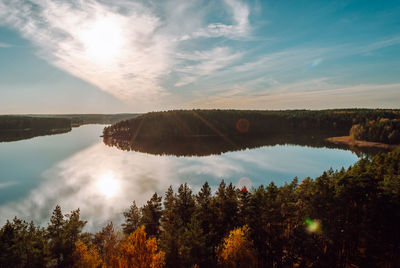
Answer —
239 29
381 44
319 93
7 184
4 45
205 63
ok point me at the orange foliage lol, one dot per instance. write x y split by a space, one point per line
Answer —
237 250
134 251
86 257
138 252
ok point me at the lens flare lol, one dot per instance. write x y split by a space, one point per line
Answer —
244 183
313 226
315 63
243 125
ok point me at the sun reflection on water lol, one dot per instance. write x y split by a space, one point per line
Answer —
108 185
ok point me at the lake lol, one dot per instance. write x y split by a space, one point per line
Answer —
77 170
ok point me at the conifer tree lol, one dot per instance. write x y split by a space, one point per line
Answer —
132 219
151 215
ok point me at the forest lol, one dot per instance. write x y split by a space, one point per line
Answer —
343 218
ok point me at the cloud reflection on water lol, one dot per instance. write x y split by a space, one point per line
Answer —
103 181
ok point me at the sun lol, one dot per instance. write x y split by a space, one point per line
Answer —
103 40
108 185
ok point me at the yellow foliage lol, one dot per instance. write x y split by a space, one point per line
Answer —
86 257
237 250
138 252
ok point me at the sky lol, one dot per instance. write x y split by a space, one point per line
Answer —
99 56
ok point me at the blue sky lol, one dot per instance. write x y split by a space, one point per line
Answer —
137 56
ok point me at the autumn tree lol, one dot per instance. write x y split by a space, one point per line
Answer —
107 244
85 256
237 250
139 252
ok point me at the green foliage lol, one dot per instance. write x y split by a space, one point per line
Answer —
22 245
63 232
132 219
151 215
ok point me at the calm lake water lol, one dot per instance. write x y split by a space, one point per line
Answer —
76 170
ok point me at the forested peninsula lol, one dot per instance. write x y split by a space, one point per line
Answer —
228 130
345 218
13 128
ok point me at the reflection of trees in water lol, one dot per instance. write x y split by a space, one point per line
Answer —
16 135
213 145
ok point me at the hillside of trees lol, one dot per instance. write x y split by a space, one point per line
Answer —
346 218
228 130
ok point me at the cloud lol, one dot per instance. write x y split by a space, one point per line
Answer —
4 45
7 184
124 48
205 63
380 44
318 93
239 29
144 52
121 52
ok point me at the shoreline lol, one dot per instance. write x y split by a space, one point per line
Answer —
348 140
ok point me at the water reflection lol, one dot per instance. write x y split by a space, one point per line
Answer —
108 185
215 145
103 181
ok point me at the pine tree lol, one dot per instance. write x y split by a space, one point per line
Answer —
151 215
169 239
56 235
132 219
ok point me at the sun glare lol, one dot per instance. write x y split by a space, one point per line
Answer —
108 185
103 40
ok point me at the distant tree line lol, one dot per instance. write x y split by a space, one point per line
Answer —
346 218
10 123
84 119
